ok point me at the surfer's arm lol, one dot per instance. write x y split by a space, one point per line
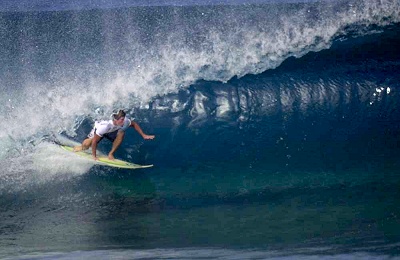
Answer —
140 131
95 140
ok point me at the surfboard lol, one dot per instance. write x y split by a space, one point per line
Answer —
103 160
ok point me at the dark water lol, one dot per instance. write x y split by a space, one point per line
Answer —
277 130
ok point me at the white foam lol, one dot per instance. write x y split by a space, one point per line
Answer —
37 166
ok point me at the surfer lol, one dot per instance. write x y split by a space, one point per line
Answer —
113 130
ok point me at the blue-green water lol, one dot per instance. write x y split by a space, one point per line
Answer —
277 130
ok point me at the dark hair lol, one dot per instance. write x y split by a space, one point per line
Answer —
116 116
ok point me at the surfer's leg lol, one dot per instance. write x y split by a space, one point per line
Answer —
116 143
85 145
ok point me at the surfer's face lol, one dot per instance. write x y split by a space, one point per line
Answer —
120 121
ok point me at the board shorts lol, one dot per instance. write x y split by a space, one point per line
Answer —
109 136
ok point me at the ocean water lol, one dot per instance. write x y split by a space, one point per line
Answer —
277 129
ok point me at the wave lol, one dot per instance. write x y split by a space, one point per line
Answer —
201 75
266 116
65 65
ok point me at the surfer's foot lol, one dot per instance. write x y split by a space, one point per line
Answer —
78 148
111 157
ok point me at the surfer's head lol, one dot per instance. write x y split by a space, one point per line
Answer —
119 117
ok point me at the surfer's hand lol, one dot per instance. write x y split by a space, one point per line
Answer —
111 157
148 137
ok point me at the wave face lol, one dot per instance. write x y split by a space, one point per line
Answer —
327 105
276 129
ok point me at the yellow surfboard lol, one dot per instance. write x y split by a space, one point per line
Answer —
103 160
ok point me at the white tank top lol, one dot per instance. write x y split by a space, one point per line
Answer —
107 126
